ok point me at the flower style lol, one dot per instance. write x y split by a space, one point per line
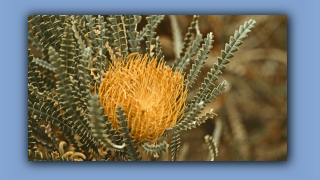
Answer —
151 94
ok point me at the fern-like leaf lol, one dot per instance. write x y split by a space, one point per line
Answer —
131 24
144 31
175 144
34 41
78 36
205 87
212 76
188 122
225 56
202 56
66 51
182 61
213 150
34 77
130 147
154 149
72 114
151 33
51 114
119 33
158 50
98 125
43 64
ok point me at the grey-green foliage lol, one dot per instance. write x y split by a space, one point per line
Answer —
154 149
78 34
155 23
98 123
34 41
43 64
34 77
175 144
204 92
90 28
187 122
182 62
158 49
212 146
202 56
66 51
101 48
131 22
152 25
119 33
78 49
130 147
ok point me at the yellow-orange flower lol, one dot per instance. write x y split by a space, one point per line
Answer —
152 96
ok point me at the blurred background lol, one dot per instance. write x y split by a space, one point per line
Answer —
252 112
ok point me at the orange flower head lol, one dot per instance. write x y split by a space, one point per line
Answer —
152 96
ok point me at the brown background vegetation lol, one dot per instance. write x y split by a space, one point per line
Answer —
253 108
252 111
